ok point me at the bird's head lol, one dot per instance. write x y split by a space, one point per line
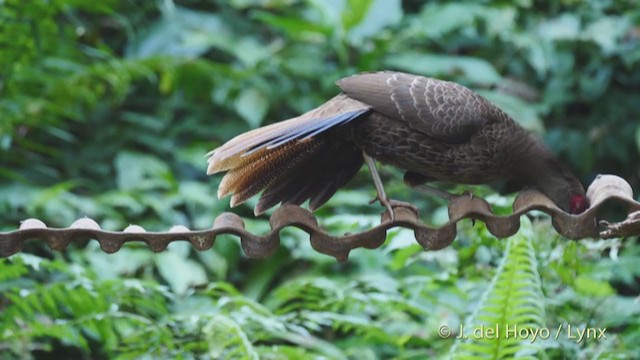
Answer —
560 184
537 167
578 204
571 199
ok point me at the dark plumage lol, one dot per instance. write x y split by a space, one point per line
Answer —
435 130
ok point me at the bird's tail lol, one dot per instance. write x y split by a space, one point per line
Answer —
292 160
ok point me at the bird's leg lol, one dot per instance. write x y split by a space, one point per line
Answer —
430 190
417 182
442 194
382 196
389 204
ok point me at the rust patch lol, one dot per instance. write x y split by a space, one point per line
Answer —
604 188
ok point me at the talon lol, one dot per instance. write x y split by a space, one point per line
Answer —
396 203
387 204
392 215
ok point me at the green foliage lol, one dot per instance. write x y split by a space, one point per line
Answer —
71 309
108 107
513 304
382 304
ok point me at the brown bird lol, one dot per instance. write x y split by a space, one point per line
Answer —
435 130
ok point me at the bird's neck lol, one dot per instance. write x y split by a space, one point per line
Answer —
533 162
538 168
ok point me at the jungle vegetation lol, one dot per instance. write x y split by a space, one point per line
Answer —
108 107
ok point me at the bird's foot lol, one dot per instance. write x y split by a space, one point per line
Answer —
386 203
396 204
468 194
391 204
404 204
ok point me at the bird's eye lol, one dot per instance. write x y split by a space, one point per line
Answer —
578 204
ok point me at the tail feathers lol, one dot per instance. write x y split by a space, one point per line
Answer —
245 148
307 131
250 177
294 172
317 178
292 160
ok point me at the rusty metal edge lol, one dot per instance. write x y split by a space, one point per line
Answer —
605 188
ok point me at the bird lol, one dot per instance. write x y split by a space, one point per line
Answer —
434 130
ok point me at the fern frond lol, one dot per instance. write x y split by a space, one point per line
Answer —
227 340
11 269
512 307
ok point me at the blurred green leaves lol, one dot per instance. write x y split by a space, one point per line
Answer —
466 69
180 33
439 19
136 171
252 105
638 138
591 287
178 271
108 107
367 18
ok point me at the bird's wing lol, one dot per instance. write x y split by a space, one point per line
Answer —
442 110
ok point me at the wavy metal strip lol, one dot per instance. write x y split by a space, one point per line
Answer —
605 188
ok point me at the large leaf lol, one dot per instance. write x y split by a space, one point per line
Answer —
252 105
141 171
470 69
525 114
565 27
366 18
180 32
180 272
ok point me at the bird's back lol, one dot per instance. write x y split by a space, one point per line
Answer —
443 110
439 129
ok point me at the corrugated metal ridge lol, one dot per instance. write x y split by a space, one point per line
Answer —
605 188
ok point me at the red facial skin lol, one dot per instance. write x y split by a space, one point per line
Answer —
578 204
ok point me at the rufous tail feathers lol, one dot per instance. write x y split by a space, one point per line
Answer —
291 159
